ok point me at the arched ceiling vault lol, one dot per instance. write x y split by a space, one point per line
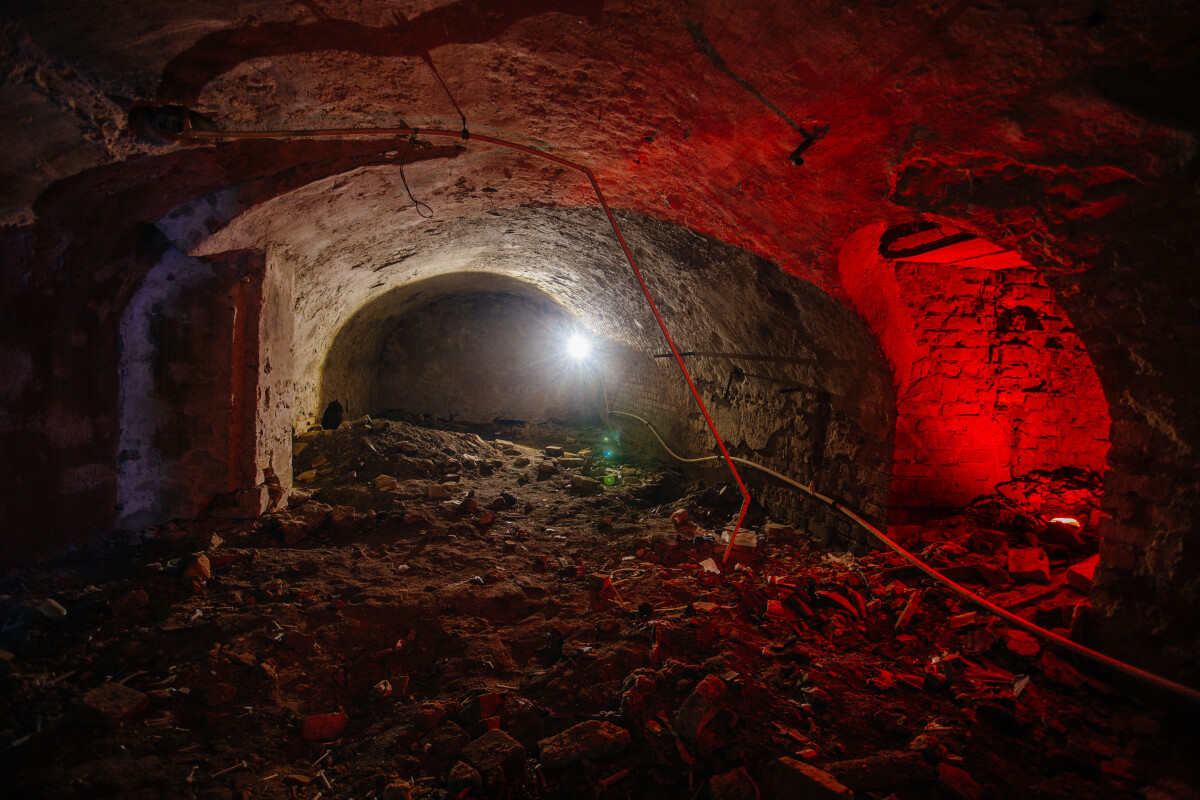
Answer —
687 111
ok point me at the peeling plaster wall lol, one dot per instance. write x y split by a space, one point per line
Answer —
189 375
148 493
791 376
275 379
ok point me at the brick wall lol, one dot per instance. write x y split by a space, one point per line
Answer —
805 418
991 379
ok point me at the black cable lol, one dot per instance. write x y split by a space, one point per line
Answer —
429 60
416 203
897 232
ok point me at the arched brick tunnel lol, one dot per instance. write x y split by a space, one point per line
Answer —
928 261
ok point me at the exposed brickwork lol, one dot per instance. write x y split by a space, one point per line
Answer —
656 392
992 380
1129 281
830 429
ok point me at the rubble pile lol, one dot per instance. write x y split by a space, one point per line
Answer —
439 615
1030 547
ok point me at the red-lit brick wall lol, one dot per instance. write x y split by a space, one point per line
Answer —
991 378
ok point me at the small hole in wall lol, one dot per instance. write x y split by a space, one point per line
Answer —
333 416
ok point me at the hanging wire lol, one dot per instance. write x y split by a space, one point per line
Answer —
466 135
427 57
403 160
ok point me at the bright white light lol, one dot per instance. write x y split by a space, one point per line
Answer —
578 347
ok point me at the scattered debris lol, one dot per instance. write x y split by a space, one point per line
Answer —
431 617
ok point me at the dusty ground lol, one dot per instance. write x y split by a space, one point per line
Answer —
375 641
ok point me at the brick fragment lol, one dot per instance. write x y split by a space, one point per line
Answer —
795 780
113 704
1029 564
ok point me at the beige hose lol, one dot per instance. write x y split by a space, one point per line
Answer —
962 591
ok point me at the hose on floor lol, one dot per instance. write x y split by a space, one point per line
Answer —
1137 673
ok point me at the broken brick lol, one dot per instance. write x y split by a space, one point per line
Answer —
498 757
300 523
1029 564
734 785
795 780
910 610
343 516
464 776
1081 576
244 504
589 740
699 707
958 782
323 727
199 570
450 740
113 704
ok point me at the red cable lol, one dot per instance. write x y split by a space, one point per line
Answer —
345 132
679 359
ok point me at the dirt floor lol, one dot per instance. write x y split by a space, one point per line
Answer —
440 614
